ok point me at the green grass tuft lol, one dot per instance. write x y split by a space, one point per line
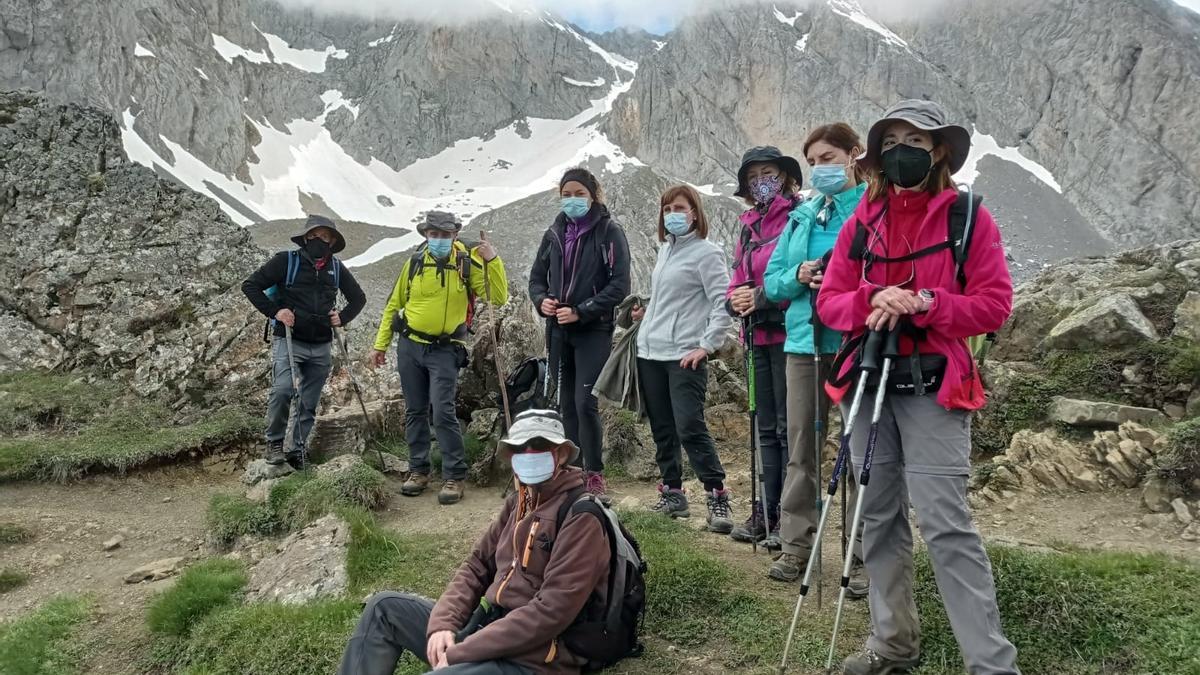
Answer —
1181 462
204 588
34 644
11 533
11 579
383 560
39 400
233 516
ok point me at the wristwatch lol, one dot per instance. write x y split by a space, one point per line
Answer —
928 297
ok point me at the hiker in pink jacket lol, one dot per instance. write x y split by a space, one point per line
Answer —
895 266
769 182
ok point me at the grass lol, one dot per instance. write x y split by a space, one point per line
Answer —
204 588
35 644
11 579
1181 462
39 400
392 442
11 533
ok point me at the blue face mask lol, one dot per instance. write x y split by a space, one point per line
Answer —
575 207
677 223
440 248
829 179
533 467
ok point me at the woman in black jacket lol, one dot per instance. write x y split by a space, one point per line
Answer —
579 276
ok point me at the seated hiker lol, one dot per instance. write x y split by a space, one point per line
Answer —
298 290
431 307
525 582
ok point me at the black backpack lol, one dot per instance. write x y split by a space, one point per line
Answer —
526 385
605 633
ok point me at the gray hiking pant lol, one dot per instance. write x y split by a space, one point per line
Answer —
923 455
429 377
798 522
313 362
394 622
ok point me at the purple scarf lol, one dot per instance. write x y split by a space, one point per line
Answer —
575 232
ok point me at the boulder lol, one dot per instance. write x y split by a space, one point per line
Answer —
1112 321
1044 458
345 430
259 470
1157 493
1155 521
1183 513
306 566
1143 436
1078 412
154 571
1187 317
114 543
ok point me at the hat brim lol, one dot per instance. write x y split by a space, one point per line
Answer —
788 165
510 444
425 227
339 243
956 138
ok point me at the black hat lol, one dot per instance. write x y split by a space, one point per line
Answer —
440 220
314 221
584 178
924 115
767 153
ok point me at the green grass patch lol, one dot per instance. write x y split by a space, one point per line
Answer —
204 588
1181 462
11 533
383 560
35 644
11 579
39 400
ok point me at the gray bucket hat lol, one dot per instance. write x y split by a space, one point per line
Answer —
925 115
314 221
531 424
440 220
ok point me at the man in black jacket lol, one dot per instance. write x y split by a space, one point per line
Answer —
299 289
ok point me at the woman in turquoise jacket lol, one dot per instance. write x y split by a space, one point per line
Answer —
794 275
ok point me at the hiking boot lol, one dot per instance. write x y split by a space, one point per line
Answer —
772 542
452 493
415 485
295 459
867 662
860 585
598 487
754 529
671 502
787 567
720 514
274 455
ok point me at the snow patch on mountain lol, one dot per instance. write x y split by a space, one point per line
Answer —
386 38
139 50
598 82
852 10
983 145
784 18
230 51
202 74
311 60
802 43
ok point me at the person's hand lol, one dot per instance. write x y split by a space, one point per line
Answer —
377 358
638 313
549 307
335 319
435 650
806 271
693 359
898 301
817 278
286 317
881 318
742 300
486 251
566 315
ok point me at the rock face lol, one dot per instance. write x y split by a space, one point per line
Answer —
111 268
1113 321
306 566
1094 413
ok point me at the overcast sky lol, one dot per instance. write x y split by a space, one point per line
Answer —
657 16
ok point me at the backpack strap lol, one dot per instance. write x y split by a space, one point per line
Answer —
293 267
960 228
337 272
568 503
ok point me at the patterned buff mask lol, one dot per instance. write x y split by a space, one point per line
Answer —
764 189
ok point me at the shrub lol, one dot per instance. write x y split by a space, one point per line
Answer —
1181 462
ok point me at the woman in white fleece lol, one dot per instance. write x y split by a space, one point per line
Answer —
683 324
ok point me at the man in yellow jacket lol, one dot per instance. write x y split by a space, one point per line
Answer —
430 308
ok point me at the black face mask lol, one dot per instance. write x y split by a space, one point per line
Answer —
317 248
906 166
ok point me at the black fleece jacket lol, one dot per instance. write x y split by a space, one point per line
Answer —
311 296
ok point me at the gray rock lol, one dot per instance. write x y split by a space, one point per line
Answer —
1182 512
308 565
155 571
345 430
259 470
1143 436
1157 521
1187 317
1157 493
114 542
1099 414
1113 321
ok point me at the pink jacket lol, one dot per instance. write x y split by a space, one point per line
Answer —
754 266
957 313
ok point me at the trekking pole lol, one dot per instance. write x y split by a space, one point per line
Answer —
891 349
756 468
341 333
494 331
818 427
869 364
294 415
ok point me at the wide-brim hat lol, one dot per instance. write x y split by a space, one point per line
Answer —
443 221
924 115
315 221
530 424
767 153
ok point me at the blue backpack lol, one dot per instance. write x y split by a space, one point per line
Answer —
293 269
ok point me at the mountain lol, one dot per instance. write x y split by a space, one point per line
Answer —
1083 131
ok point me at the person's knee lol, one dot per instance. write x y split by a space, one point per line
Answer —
390 602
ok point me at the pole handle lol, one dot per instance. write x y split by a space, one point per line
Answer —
891 347
870 350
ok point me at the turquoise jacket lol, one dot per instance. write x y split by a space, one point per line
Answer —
806 238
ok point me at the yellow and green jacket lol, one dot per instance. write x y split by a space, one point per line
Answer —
436 301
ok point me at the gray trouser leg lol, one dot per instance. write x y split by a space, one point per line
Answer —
313 361
392 623
429 376
798 521
279 401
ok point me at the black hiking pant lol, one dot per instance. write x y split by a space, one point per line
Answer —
770 392
580 356
394 622
674 399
